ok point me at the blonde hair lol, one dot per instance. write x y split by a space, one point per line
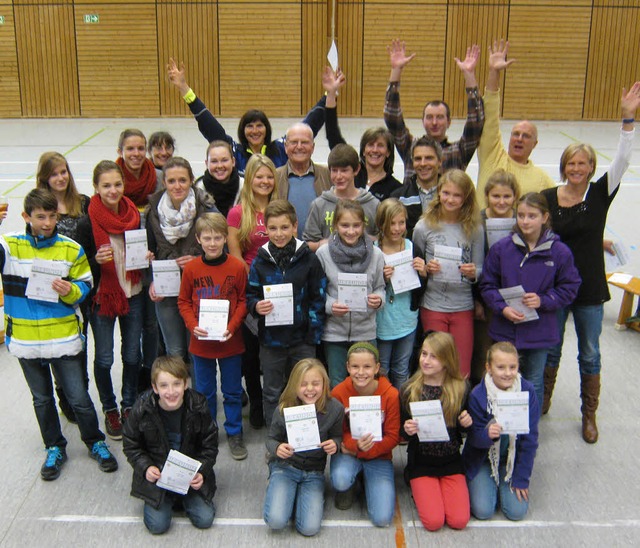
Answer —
501 177
469 215
571 151
215 222
454 386
46 164
387 210
289 396
247 198
501 346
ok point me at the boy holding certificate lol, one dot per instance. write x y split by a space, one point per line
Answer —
216 276
287 292
168 417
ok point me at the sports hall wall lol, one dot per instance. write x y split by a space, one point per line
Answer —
573 56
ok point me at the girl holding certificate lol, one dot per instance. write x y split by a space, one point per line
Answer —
434 468
527 277
499 465
296 479
450 238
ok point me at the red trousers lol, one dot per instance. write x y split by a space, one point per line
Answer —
460 325
441 500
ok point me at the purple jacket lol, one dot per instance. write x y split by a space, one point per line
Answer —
548 271
476 449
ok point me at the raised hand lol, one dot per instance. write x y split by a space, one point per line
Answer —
333 81
176 75
398 54
630 101
498 55
468 64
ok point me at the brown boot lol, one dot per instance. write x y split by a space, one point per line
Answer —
589 392
550 374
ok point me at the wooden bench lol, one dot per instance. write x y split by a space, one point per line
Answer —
630 289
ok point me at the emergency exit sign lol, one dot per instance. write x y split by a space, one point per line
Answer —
92 19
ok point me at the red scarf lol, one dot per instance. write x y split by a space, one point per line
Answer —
138 190
111 298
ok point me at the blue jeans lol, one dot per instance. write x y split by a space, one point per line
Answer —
150 334
379 486
199 511
289 485
130 331
205 376
588 323
395 356
336 355
483 496
69 372
174 332
532 362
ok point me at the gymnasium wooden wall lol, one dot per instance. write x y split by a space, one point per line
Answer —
573 56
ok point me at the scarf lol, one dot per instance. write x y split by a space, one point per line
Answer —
349 259
494 450
176 224
283 255
110 296
138 190
223 193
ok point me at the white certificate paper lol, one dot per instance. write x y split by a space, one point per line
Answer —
428 415
621 258
352 291
498 229
365 417
281 297
43 273
512 412
302 427
178 472
450 259
166 278
214 318
404 277
513 297
135 254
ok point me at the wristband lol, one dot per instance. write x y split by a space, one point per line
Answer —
628 120
189 97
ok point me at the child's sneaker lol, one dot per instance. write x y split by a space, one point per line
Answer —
237 447
106 461
56 457
112 424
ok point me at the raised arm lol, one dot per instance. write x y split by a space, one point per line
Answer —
398 59
630 102
468 66
332 82
497 63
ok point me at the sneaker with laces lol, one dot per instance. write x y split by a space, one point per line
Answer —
56 457
112 424
237 447
106 461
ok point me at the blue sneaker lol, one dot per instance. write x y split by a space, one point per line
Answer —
56 457
106 461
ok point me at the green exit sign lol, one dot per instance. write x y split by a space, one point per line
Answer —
92 18
1 19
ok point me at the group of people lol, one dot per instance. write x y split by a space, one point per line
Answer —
338 242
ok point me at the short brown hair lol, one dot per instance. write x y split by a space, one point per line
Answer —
343 155
173 365
212 221
281 207
39 198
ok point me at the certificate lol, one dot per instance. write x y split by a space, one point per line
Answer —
178 472
302 427
214 318
43 273
365 417
281 297
513 297
166 278
404 277
428 415
135 249
498 229
352 291
450 259
512 412
621 258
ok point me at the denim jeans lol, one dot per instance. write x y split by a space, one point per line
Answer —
130 331
206 382
379 486
395 356
588 323
483 496
174 332
532 362
335 352
150 332
69 372
199 511
289 485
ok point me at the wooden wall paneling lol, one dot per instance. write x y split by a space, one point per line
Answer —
349 39
614 60
260 58
188 33
423 27
551 45
45 43
316 40
10 105
118 60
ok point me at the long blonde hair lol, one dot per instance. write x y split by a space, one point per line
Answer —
46 164
289 396
469 216
247 198
387 210
454 386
